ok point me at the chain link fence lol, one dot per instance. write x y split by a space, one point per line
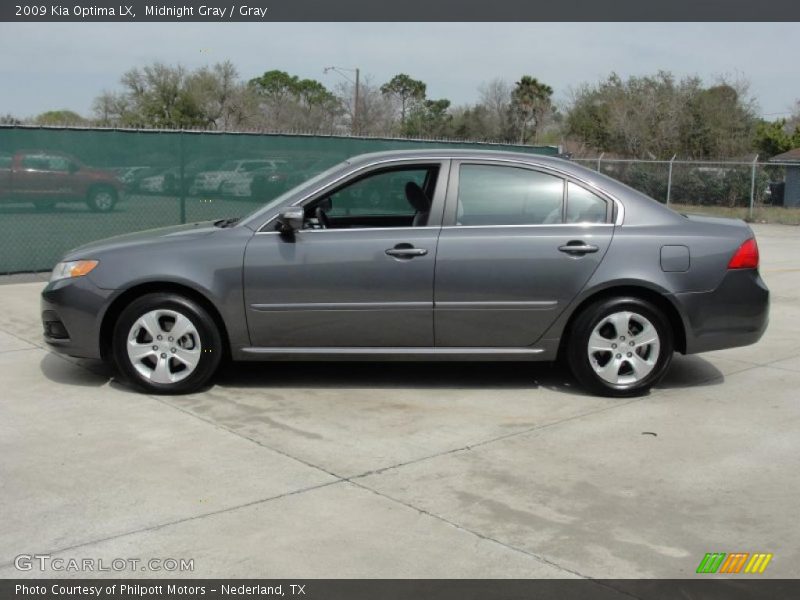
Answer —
63 187
754 191
60 188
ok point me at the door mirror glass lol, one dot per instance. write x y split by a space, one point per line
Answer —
291 220
74 167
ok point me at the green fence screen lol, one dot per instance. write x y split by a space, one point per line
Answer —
60 188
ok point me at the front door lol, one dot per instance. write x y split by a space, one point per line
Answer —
517 246
360 272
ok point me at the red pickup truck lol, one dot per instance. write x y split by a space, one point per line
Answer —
46 178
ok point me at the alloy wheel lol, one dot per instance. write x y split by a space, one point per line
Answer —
164 346
104 200
623 348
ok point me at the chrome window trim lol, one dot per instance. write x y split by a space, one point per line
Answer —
354 171
549 169
587 225
619 219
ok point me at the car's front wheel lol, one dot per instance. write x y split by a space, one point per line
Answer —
166 344
620 346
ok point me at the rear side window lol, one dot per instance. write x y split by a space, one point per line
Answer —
499 195
583 206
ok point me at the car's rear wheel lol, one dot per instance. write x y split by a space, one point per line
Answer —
166 344
620 346
102 199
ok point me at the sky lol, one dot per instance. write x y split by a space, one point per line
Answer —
48 66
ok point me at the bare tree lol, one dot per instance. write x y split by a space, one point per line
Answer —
495 97
217 91
657 116
375 110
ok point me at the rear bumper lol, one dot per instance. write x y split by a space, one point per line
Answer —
72 311
736 313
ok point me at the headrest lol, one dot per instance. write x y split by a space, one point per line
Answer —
417 198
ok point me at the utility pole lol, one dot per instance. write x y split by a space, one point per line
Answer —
355 107
354 127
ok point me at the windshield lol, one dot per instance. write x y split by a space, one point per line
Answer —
308 184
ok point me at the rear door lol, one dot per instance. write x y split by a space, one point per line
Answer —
518 244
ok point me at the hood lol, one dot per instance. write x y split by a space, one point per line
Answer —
149 236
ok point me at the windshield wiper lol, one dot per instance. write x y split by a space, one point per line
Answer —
226 222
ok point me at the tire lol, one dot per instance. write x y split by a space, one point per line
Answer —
606 360
166 365
102 198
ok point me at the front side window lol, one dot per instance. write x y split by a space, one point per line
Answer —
500 195
376 195
389 197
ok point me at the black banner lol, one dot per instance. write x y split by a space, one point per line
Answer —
404 589
406 10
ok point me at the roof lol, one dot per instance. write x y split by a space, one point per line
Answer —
790 156
456 153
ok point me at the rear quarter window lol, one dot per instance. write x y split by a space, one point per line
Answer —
584 206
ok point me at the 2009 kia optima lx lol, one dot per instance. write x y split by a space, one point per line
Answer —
419 255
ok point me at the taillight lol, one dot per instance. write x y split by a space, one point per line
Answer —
746 257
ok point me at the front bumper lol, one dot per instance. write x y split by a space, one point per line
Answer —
735 314
72 312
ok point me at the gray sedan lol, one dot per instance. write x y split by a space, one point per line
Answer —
419 255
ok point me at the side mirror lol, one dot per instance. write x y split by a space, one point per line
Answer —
291 220
74 167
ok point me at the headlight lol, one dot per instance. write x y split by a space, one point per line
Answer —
73 268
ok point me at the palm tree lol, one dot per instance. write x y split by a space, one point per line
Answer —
530 103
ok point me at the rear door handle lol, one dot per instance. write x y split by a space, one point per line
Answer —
406 252
578 247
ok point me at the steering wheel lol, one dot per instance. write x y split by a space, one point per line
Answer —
322 218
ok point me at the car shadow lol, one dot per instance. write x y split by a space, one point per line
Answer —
685 372
690 371
75 371
402 374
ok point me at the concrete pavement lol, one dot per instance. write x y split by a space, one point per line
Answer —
406 470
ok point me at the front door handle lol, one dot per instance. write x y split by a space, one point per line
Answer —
577 247
406 251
